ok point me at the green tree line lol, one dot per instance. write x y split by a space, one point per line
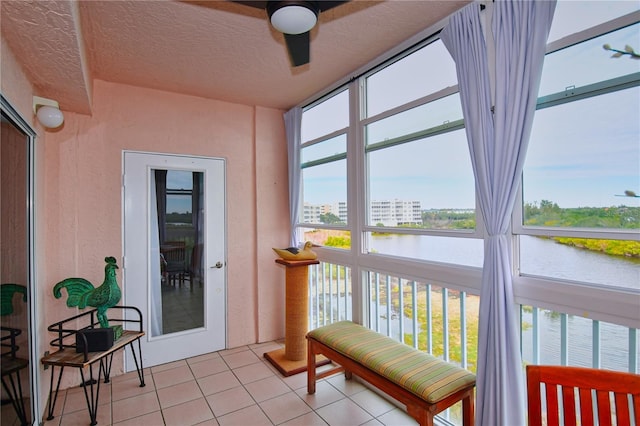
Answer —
546 214
549 214
178 217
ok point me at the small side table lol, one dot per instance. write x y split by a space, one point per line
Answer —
67 356
293 358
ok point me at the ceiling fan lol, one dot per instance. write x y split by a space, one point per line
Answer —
294 19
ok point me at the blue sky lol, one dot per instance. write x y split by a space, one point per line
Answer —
581 154
603 163
585 153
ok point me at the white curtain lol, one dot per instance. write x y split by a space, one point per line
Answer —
498 146
293 124
154 261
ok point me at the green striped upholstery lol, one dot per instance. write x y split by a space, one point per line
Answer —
420 373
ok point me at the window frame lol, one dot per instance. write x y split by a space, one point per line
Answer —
594 301
364 121
300 223
356 152
573 94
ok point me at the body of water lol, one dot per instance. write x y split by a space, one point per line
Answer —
538 256
542 257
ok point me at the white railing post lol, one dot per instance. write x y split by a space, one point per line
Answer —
401 308
463 329
564 340
414 310
595 327
445 324
633 350
388 306
429 321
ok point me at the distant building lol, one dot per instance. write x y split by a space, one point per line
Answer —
387 212
312 212
395 212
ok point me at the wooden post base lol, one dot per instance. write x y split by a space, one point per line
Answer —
289 368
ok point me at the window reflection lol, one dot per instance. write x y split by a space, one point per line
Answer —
14 274
179 210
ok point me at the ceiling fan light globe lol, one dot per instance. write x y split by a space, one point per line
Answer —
50 117
293 19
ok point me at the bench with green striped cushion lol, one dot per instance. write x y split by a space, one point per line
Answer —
427 377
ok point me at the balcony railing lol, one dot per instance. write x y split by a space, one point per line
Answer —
330 296
554 338
444 322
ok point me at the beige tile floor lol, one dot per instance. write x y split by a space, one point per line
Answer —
231 387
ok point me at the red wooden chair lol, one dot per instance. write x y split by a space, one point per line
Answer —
569 391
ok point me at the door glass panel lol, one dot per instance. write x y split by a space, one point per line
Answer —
179 237
184 309
16 405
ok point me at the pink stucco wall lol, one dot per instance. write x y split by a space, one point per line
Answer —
79 208
271 171
83 188
14 84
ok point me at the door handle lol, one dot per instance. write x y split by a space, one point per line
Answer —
218 265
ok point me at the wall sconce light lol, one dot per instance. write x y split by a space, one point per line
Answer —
48 112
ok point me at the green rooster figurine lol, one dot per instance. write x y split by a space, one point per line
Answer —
81 293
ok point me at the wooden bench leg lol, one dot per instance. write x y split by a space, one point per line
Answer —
428 421
468 410
422 415
311 368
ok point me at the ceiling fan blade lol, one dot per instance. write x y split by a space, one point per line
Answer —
322 4
298 47
256 4
326 5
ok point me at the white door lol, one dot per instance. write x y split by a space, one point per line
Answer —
175 253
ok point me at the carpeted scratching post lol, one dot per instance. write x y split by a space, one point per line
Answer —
293 358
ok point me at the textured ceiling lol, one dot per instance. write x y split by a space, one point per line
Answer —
213 49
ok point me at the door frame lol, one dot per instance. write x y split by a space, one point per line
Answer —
35 407
129 362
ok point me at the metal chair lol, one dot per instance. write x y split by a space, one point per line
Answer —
10 363
11 366
589 392
175 256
